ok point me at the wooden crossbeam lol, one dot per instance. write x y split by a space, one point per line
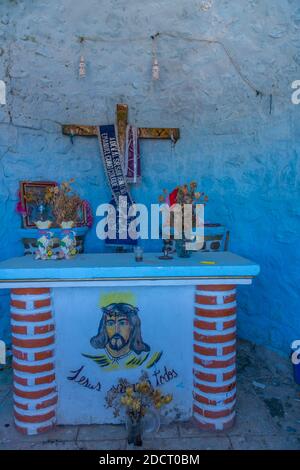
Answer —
122 120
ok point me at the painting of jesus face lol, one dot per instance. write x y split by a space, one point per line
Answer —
118 330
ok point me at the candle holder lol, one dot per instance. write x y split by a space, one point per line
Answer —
138 253
167 248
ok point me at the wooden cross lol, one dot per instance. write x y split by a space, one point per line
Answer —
122 121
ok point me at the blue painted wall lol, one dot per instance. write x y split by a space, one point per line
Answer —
243 152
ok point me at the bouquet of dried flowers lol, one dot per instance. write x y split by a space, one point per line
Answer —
181 196
184 194
65 202
137 399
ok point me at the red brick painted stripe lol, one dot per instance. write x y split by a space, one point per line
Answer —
214 364
34 395
205 351
213 300
33 369
35 418
207 401
32 343
47 379
213 414
200 422
224 312
217 389
31 291
218 288
18 304
38 356
229 375
42 303
211 326
40 404
36 317
22 330
217 339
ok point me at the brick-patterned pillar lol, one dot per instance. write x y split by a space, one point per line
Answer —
35 394
215 356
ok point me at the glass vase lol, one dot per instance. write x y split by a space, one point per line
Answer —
181 250
134 430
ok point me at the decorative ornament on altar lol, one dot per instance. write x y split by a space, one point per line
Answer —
45 245
68 244
43 204
155 64
176 224
82 67
141 403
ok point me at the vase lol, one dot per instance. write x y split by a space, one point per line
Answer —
45 245
148 424
134 430
67 244
67 224
181 250
43 224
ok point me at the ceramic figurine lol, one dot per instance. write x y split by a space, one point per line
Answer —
45 245
68 244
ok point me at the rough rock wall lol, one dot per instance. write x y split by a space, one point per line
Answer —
241 146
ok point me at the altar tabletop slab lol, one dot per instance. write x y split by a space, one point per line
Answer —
108 266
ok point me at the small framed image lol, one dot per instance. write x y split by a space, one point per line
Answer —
32 195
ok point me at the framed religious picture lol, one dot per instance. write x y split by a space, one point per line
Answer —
32 199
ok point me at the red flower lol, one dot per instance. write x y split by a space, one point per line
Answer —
19 206
173 196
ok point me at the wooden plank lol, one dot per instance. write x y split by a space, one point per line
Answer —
159 133
144 132
122 121
76 129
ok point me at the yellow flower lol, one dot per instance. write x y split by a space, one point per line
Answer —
49 253
168 399
129 391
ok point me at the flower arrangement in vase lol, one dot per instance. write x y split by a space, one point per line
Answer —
45 204
180 196
65 203
138 400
